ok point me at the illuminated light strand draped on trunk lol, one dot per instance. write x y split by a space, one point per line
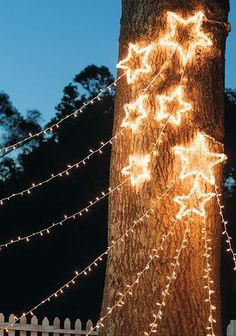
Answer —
95 262
120 302
225 233
207 275
54 126
175 264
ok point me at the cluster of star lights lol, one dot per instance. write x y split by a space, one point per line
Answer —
183 37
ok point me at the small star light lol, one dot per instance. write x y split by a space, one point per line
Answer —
172 107
136 62
185 35
194 202
134 113
197 160
138 169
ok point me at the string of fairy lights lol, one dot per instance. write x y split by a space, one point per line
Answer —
209 281
77 214
98 259
56 125
175 264
64 172
197 163
156 254
225 232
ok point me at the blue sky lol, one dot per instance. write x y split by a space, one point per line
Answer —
45 43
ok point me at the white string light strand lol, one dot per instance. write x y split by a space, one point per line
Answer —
225 233
92 152
95 262
120 302
68 116
79 213
209 281
64 172
171 278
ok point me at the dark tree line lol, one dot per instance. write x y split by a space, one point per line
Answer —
31 271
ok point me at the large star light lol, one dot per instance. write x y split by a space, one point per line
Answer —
172 107
194 202
138 169
136 62
185 35
197 160
134 113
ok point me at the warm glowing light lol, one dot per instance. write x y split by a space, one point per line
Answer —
136 62
194 202
134 113
185 35
166 291
172 107
209 282
197 160
138 169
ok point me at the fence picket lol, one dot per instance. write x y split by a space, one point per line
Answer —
11 321
56 323
45 324
89 325
78 327
67 326
34 321
23 320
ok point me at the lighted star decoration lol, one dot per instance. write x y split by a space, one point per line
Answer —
185 35
197 160
134 113
172 107
138 169
194 202
136 62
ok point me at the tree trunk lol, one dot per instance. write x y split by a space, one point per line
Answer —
186 312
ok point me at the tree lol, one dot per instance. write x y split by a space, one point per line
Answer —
186 311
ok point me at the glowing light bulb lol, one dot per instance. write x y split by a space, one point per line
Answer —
138 169
136 62
134 113
185 35
172 106
197 160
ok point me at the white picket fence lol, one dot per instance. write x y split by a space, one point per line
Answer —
33 328
55 329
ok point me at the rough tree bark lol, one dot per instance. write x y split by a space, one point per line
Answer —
185 313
